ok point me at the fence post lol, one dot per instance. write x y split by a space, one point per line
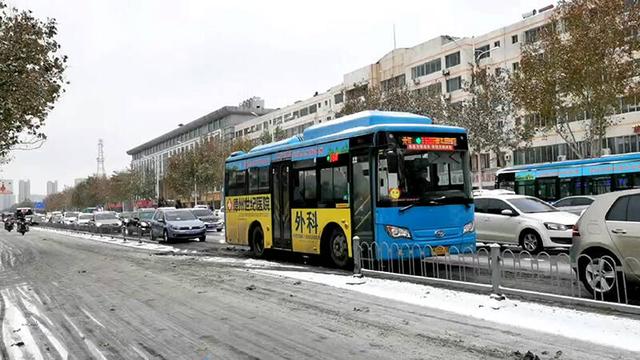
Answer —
357 252
495 267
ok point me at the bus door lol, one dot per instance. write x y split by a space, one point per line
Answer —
362 208
281 196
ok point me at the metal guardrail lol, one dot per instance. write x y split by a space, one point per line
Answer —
543 276
113 231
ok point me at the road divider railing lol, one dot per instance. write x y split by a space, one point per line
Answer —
121 232
599 280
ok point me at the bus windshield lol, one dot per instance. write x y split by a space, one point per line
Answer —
423 177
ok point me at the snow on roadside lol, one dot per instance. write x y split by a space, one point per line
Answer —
602 329
248 262
16 335
117 241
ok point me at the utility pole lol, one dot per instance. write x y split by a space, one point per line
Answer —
100 160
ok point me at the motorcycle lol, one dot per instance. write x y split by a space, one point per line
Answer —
8 225
22 227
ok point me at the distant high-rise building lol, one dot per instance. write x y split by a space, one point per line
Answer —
24 190
7 198
52 187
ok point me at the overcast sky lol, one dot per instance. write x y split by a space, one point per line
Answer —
139 68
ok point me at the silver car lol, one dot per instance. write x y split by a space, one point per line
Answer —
574 204
606 244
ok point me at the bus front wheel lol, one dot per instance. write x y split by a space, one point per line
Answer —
257 242
338 248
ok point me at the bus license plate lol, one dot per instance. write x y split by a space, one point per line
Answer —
440 250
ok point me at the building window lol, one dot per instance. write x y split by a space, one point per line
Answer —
496 44
434 89
304 112
532 35
338 98
452 59
482 52
427 68
514 39
485 161
454 84
313 108
394 82
515 66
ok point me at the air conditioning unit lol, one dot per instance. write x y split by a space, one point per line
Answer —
416 81
445 72
561 158
606 152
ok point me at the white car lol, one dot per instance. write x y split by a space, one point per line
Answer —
84 219
522 220
574 204
70 217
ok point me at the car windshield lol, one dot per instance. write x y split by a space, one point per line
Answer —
427 178
146 215
107 216
85 217
179 215
202 212
532 205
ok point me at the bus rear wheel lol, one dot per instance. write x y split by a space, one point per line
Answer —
257 242
338 248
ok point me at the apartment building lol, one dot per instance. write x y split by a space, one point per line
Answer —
154 154
24 190
441 66
52 187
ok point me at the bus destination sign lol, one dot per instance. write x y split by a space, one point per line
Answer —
429 143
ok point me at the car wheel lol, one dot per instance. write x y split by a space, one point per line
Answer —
153 238
531 241
599 276
203 238
165 237
338 248
219 230
257 242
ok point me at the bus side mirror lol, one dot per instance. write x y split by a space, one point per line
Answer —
392 162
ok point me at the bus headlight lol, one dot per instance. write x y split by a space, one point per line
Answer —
398 232
468 228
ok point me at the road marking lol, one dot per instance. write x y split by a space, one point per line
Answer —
91 317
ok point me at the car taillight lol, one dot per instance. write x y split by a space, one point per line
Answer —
576 231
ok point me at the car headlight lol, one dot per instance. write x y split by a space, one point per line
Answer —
98 224
398 232
144 223
554 226
468 228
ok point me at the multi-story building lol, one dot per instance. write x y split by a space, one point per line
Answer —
221 124
52 187
24 190
441 66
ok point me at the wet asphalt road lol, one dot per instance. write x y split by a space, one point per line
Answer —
64 296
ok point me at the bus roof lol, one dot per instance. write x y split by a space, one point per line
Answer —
362 123
567 163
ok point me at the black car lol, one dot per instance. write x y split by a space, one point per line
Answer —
139 222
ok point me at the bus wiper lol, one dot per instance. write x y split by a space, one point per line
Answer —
405 208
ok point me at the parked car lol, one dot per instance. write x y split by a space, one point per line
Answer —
201 206
70 217
84 219
608 236
105 221
489 192
522 220
56 218
173 224
574 204
210 220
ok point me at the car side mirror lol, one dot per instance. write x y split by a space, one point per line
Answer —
507 212
161 220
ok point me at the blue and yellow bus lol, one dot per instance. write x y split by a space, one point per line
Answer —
392 179
556 180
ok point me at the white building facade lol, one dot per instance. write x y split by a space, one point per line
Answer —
24 190
52 187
